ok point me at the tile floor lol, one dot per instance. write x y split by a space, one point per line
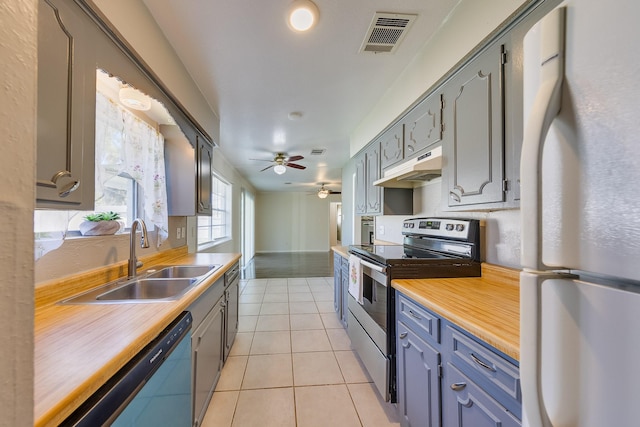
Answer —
292 365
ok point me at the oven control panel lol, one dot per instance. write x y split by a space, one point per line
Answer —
438 227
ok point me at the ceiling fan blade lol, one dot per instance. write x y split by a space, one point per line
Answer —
262 160
268 167
294 158
295 166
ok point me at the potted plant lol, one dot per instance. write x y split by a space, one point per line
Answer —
101 224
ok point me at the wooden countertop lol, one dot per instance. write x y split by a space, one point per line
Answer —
341 250
79 347
487 307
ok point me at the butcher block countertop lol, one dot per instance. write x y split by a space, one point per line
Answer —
341 250
487 307
79 347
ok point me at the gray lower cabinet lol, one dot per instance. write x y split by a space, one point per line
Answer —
341 287
419 391
215 324
66 107
448 377
231 299
344 311
466 404
206 345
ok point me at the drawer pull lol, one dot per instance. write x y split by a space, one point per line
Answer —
458 386
481 363
414 315
403 335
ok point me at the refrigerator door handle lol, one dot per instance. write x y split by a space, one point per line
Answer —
534 413
545 108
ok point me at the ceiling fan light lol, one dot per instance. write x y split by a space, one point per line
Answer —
279 169
303 15
323 193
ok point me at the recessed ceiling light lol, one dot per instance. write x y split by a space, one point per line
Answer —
134 99
295 115
303 15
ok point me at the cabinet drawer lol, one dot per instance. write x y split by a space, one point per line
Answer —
464 403
421 321
498 376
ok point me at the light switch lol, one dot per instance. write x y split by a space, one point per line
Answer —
178 233
184 232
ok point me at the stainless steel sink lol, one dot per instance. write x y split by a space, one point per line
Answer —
183 271
168 283
149 289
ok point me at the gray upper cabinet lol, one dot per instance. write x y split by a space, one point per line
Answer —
372 172
423 126
204 162
66 108
374 200
360 185
474 131
392 146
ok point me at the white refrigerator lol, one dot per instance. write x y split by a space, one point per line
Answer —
580 177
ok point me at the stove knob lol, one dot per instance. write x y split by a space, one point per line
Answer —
449 227
459 227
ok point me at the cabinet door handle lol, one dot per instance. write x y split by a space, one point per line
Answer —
454 196
403 335
69 187
414 315
458 386
481 363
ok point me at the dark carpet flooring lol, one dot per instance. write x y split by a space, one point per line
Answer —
289 264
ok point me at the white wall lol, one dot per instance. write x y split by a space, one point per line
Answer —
292 222
501 233
469 23
134 22
18 66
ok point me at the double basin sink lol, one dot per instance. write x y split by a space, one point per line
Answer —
165 283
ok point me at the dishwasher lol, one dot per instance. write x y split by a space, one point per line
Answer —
153 389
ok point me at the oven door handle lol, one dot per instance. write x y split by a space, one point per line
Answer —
373 266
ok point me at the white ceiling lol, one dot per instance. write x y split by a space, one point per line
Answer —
254 71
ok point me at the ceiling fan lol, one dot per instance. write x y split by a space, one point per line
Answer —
323 192
280 161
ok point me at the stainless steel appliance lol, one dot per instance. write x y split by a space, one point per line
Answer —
367 230
432 247
580 288
153 389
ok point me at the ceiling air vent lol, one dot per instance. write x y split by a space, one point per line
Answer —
317 151
386 32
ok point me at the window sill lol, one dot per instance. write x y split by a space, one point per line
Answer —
213 244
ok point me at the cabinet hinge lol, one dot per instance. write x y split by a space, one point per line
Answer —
503 56
440 371
505 185
441 102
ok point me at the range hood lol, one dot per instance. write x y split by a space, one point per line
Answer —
422 168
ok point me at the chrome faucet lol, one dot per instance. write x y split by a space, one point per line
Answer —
144 243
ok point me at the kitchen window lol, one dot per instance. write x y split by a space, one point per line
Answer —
217 227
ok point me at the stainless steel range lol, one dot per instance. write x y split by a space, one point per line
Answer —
433 248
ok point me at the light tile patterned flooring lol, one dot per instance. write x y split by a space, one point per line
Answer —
292 365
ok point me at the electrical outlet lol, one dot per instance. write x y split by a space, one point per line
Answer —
381 230
178 233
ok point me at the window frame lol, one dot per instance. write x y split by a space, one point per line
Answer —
217 181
